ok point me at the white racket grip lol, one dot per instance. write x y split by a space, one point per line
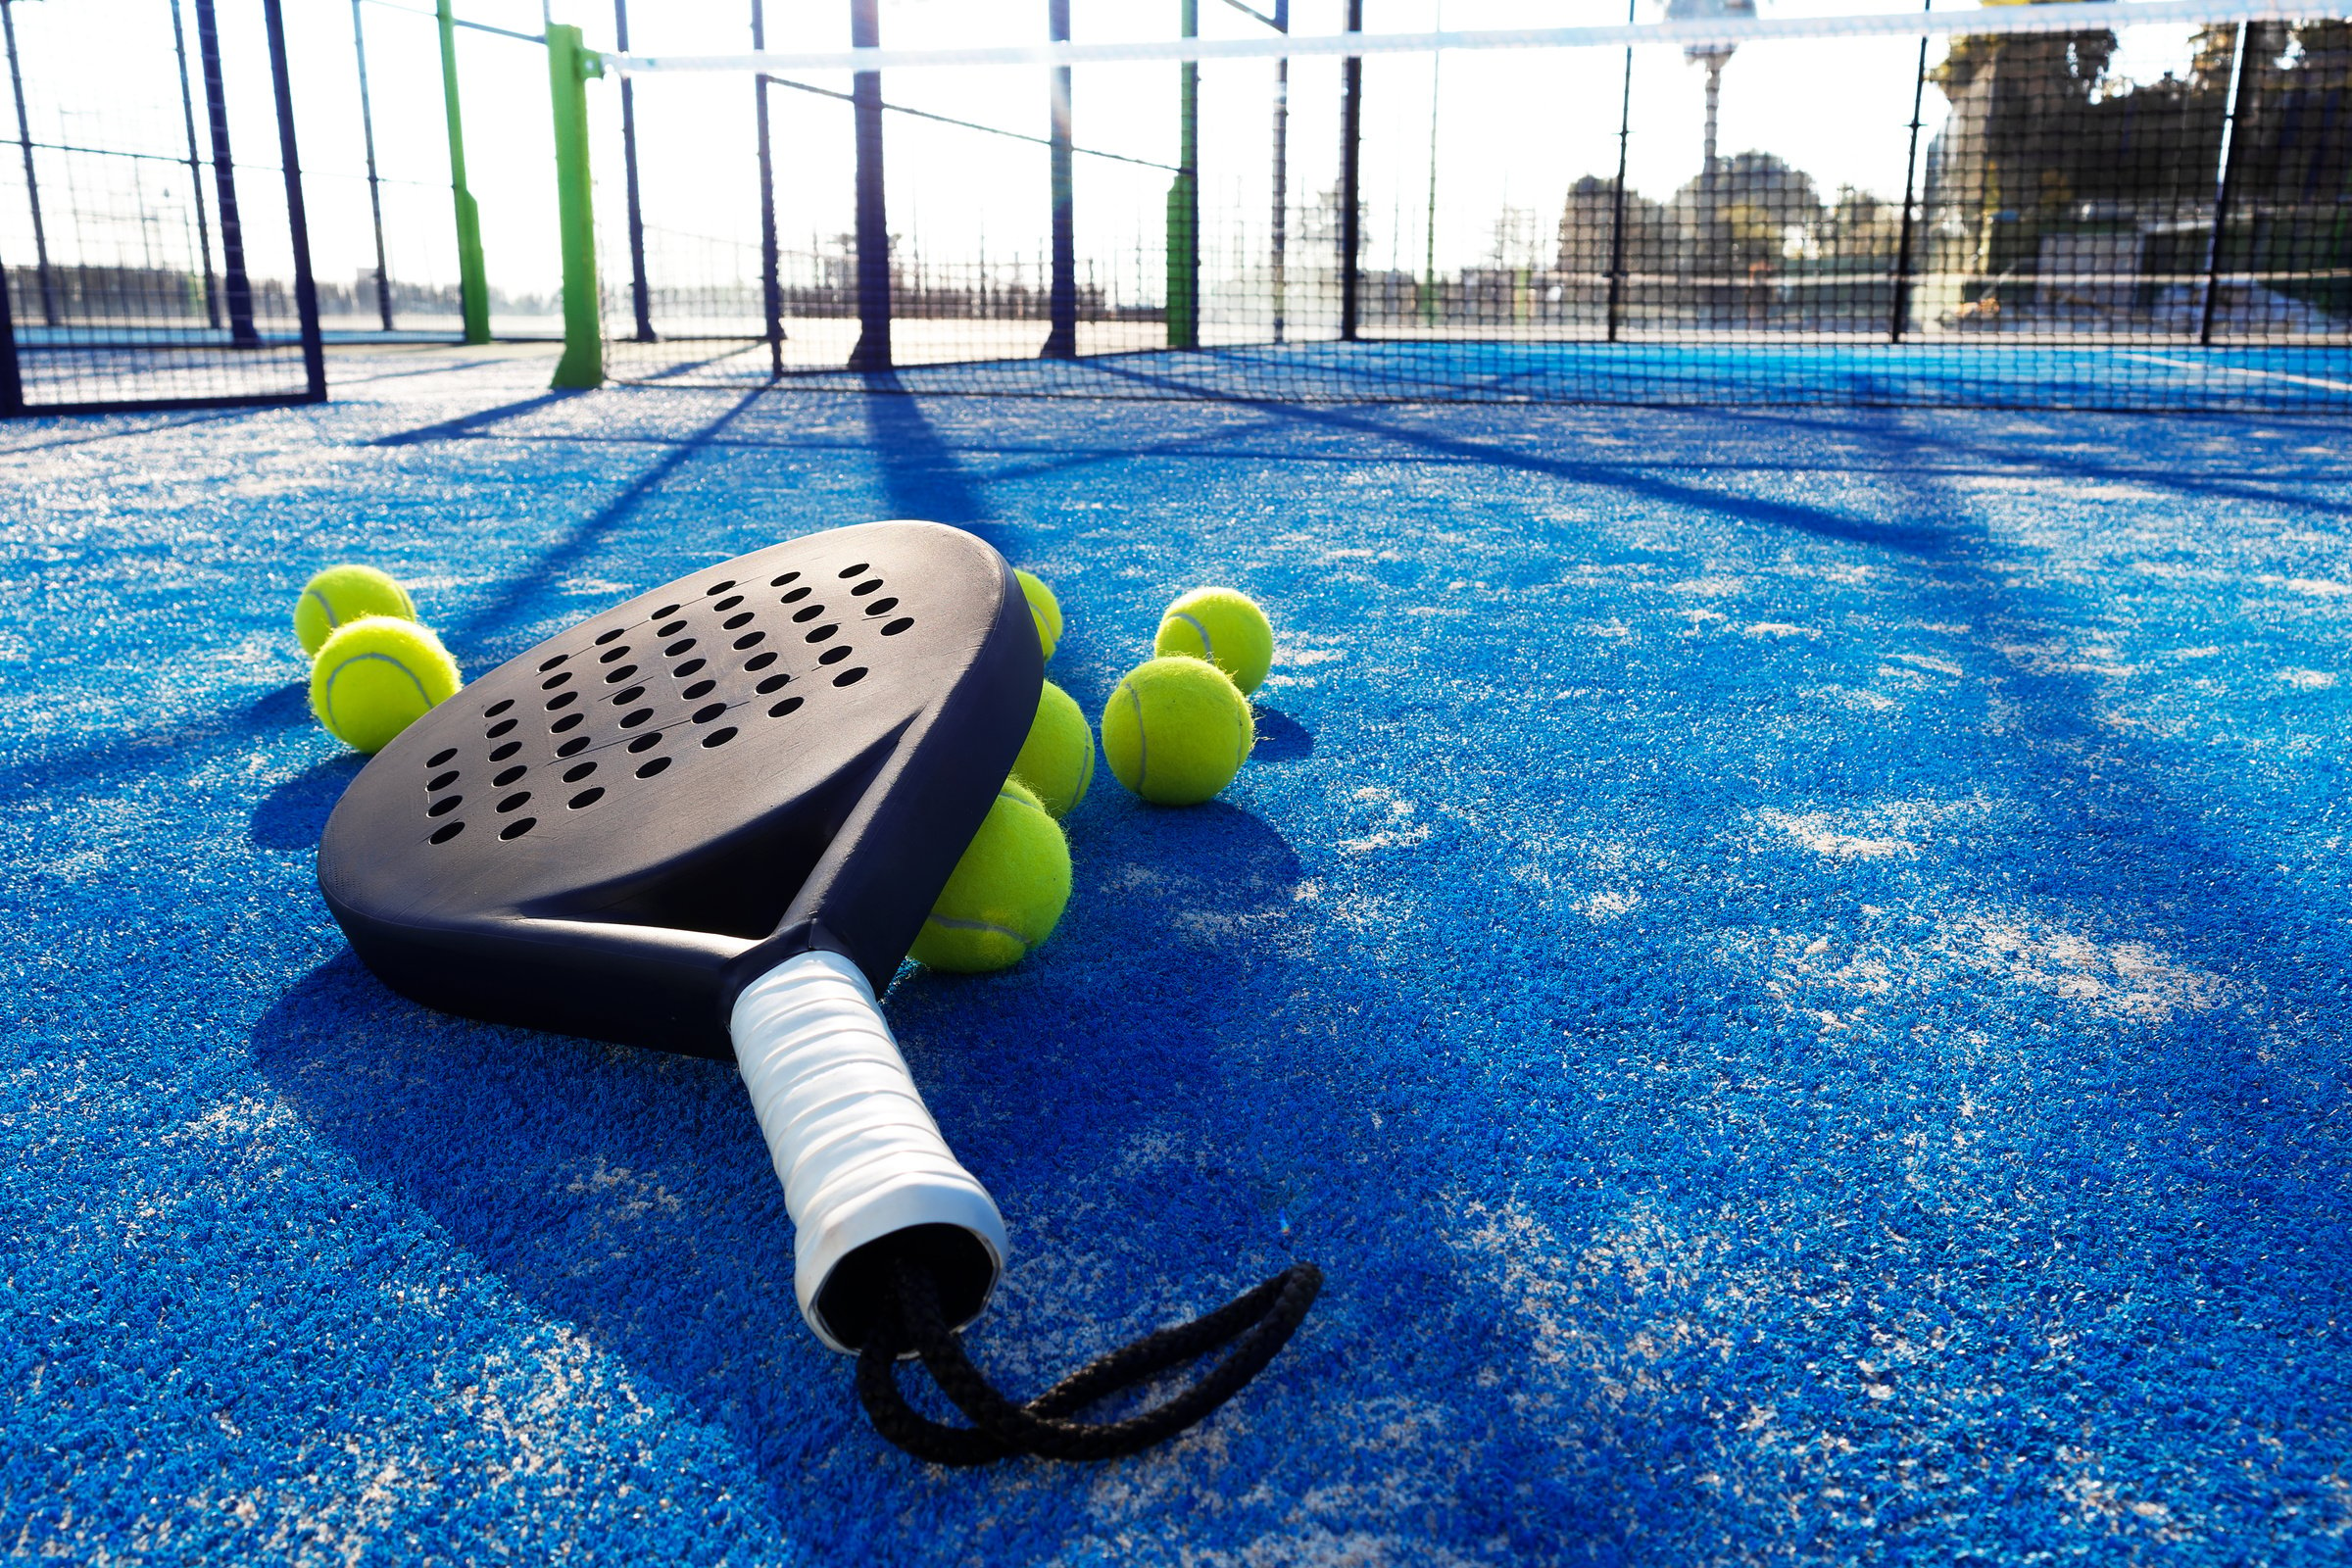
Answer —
858 1155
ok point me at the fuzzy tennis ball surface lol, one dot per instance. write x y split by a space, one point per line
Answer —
1058 759
1223 626
341 595
1005 895
1043 609
375 676
1176 730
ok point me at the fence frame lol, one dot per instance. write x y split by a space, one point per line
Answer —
244 337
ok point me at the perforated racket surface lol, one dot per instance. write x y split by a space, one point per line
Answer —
613 833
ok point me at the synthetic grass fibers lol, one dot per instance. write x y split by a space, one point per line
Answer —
1792 968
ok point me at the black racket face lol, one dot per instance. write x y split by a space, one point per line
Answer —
612 833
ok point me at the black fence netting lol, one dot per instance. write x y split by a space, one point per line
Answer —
372 89
2134 214
152 245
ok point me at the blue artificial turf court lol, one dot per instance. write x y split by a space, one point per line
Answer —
1792 966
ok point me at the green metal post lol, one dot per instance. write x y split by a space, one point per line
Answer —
473 280
1184 203
568 68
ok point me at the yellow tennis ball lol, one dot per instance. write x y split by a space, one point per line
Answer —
1058 759
375 676
1005 895
1043 609
1223 626
341 595
1176 730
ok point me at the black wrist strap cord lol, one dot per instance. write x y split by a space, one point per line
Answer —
1255 1324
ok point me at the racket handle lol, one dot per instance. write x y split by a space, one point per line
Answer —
859 1157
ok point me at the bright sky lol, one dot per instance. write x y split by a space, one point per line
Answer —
1512 129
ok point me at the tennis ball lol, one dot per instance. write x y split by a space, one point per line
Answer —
1058 759
1223 626
1005 895
1043 609
1176 730
340 595
375 676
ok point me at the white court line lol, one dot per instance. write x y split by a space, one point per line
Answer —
2239 369
2077 16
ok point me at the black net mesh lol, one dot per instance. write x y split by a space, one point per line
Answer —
148 234
2154 216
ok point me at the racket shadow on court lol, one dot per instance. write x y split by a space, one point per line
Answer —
293 813
1135 1090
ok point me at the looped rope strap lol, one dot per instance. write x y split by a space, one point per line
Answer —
1256 1324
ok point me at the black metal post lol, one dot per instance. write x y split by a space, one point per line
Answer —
11 386
640 297
1281 166
1351 129
1899 316
872 352
297 223
224 179
1625 131
376 195
2223 184
204 226
1061 339
32 186
772 284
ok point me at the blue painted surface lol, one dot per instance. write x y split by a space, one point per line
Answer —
1792 969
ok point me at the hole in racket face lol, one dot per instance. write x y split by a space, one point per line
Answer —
681 680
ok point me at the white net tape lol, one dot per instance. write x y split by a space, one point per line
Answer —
1975 22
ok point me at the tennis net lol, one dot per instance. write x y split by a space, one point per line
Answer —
2142 204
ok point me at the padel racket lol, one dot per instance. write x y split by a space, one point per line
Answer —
712 819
